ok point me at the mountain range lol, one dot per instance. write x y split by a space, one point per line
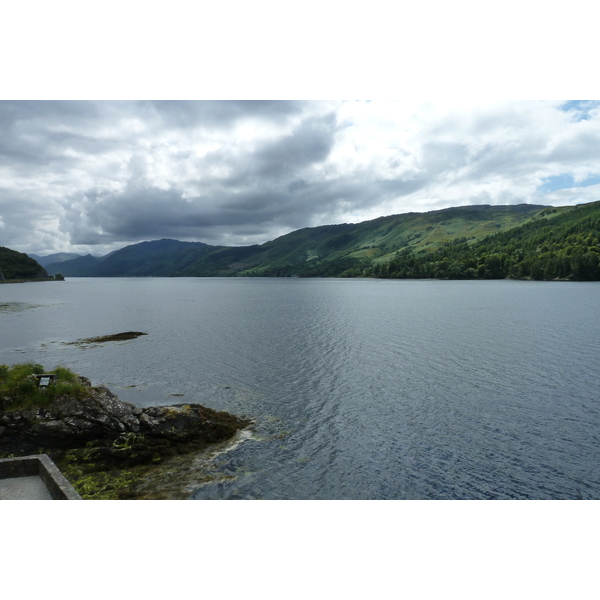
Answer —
327 246
372 248
53 258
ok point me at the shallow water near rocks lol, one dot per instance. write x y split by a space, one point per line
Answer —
360 389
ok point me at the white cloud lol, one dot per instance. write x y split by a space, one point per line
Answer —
91 177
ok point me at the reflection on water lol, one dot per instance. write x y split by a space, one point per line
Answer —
358 388
17 306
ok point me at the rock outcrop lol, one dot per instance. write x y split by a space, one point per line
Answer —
109 429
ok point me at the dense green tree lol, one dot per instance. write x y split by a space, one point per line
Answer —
560 246
16 265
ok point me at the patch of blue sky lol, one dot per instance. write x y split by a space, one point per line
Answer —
566 181
593 180
580 108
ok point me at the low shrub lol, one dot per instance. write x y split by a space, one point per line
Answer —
19 387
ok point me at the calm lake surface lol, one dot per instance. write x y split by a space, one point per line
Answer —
361 389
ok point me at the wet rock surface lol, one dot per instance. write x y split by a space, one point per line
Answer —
115 337
99 432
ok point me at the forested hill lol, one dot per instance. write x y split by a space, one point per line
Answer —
558 244
474 242
16 265
324 251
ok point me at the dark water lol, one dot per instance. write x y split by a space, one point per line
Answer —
361 389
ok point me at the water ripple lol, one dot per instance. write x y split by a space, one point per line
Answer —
359 389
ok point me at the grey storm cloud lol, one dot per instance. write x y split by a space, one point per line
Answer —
307 145
214 113
252 191
94 176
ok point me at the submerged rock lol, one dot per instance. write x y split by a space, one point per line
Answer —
114 337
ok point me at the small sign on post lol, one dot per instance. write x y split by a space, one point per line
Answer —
45 379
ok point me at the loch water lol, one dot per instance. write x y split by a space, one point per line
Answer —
360 389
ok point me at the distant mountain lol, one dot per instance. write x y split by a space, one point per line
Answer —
143 259
476 242
329 250
53 258
75 267
16 265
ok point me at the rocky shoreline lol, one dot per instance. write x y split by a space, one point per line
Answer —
110 449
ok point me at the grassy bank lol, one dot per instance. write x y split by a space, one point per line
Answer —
19 387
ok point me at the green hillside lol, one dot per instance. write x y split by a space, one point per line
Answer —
559 243
468 241
16 265
333 249
323 251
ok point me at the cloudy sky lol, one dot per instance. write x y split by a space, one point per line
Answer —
87 176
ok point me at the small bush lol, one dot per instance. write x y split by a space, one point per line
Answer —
19 389
64 374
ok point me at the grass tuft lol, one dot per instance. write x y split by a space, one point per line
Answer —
19 388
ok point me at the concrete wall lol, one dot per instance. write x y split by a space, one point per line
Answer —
42 466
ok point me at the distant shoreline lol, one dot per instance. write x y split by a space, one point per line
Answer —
29 280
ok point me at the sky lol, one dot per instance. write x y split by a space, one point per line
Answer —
93 176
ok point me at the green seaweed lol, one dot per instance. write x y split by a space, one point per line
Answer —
128 465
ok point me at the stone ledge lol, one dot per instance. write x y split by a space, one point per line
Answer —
42 466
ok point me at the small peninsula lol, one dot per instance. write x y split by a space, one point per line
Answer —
16 267
107 448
